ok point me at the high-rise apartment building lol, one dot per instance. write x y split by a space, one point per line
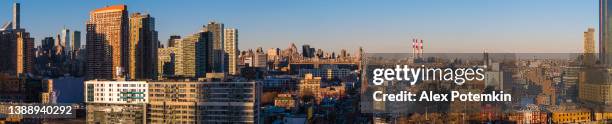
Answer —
65 40
171 40
605 36
203 102
185 57
107 42
201 54
231 50
172 102
260 59
75 38
116 101
16 47
570 75
16 51
69 41
307 51
216 52
589 47
595 87
143 47
117 92
47 44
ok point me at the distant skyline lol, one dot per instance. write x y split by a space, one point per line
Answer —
523 26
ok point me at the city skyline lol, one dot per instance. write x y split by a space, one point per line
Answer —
476 25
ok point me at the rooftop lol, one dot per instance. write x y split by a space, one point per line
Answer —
119 7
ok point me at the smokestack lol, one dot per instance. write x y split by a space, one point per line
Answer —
421 49
414 48
16 16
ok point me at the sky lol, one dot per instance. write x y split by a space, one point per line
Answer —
387 26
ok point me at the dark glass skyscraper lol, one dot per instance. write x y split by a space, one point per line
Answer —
16 47
605 47
216 52
307 51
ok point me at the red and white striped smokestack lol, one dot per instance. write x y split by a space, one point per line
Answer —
421 48
414 49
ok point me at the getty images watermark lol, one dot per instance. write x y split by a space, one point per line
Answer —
458 75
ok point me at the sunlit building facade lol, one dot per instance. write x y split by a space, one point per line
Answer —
143 47
231 50
107 42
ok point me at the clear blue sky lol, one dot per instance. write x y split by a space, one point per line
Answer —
378 26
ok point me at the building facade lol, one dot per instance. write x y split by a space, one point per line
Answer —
216 51
16 47
65 40
17 51
172 102
107 42
203 102
75 38
172 39
231 50
589 47
260 59
143 47
116 101
165 62
185 54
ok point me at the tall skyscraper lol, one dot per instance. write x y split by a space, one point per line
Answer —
594 83
605 38
231 50
16 47
143 47
107 42
307 51
44 54
65 40
16 16
216 52
203 49
171 40
185 57
47 44
589 47
75 43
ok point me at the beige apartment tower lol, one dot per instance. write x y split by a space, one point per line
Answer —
589 47
143 47
231 50
185 57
